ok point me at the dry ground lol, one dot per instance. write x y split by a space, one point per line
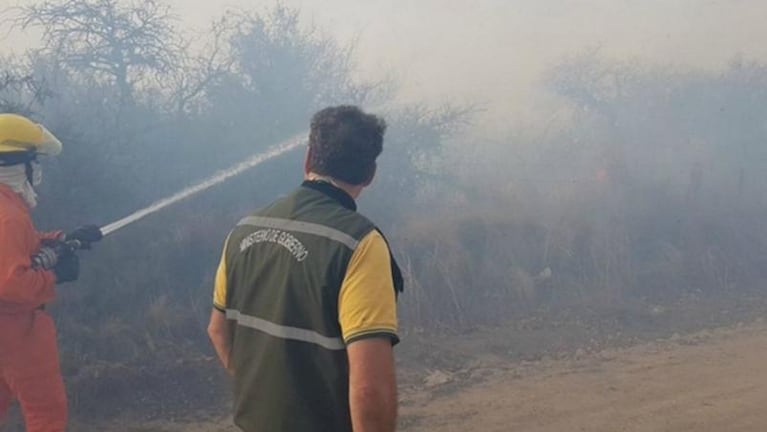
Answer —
708 382
712 381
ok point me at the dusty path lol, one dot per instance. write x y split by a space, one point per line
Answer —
712 381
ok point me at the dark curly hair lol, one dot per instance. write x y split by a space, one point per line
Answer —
345 143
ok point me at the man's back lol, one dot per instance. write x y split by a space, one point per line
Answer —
285 269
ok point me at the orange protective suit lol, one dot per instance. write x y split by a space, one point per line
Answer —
29 361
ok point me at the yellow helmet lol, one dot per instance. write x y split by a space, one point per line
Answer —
19 134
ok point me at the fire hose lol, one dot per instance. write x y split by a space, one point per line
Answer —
48 256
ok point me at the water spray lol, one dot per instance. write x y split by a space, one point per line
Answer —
215 179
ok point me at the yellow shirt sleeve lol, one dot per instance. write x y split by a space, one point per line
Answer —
219 287
367 305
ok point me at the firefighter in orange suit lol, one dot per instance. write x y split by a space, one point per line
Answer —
31 265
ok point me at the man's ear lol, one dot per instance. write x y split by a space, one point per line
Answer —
372 175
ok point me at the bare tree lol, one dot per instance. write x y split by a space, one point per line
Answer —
123 42
20 90
195 73
284 61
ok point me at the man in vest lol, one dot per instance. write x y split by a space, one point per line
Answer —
304 311
31 264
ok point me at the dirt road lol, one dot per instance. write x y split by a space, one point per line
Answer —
711 381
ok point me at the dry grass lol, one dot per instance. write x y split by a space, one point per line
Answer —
599 249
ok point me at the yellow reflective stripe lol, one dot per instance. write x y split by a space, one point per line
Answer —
303 227
285 332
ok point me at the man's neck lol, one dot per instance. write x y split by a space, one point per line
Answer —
353 190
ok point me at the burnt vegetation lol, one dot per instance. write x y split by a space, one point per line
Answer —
646 189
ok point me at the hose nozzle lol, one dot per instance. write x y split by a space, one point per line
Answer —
49 254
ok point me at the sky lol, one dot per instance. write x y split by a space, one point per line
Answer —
494 53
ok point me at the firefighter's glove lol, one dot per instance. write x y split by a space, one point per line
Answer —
57 256
47 257
67 268
86 235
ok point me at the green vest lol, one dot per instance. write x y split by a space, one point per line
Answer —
285 267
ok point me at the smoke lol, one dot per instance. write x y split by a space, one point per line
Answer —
206 184
524 170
